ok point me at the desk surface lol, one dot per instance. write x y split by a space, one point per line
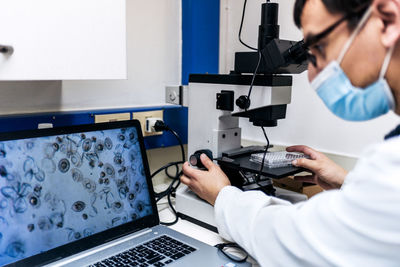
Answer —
194 230
191 229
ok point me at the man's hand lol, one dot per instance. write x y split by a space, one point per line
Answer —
206 184
326 173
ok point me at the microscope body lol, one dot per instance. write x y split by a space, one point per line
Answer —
216 102
213 121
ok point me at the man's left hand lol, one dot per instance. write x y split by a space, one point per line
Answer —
206 184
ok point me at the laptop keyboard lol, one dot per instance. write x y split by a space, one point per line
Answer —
158 252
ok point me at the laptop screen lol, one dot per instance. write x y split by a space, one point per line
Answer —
61 188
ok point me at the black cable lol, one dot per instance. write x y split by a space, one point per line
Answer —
254 75
180 142
172 176
161 126
241 26
258 176
232 245
173 210
173 189
170 191
176 163
260 56
252 83
247 98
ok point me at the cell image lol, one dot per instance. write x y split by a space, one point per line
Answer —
87 145
76 159
108 143
77 175
59 189
89 185
118 159
99 146
78 206
34 200
63 165
3 171
2 151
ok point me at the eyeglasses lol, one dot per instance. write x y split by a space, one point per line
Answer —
239 256
309 42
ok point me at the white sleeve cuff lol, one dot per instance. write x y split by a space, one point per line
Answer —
235 210
223 199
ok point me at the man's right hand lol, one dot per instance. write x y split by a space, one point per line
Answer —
326 173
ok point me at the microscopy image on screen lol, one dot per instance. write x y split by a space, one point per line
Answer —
58 189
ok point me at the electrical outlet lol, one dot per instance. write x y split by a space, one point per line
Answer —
142 116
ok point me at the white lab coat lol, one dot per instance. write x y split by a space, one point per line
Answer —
358 225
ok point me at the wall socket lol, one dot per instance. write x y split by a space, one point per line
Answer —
142 116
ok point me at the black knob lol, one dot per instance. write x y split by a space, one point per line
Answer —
195 160
243 102
5 49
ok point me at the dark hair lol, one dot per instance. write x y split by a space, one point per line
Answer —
344 7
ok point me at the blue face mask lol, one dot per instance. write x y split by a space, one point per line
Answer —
347 101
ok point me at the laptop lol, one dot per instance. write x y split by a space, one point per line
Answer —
82 196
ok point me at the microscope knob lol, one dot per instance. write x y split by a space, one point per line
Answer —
243 102
195 160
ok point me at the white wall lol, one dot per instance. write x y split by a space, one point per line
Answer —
154 60
308 121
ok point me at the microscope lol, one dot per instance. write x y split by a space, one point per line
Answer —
216 102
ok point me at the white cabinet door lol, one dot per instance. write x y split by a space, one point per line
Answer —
63 39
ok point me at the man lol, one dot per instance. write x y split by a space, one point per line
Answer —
355 55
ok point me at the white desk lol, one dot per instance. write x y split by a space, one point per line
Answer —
193 230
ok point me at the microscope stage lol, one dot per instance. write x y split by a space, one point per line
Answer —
243 163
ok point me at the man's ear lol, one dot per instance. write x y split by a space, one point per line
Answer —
389 12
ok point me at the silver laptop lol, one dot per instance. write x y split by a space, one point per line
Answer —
82 196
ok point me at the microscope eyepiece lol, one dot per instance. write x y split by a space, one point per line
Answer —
296 53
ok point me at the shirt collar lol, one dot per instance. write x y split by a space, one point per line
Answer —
394 133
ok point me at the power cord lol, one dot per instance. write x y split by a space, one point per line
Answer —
258 176
176 172
170 191
241 26
244 101
254 77
161 126
260 56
